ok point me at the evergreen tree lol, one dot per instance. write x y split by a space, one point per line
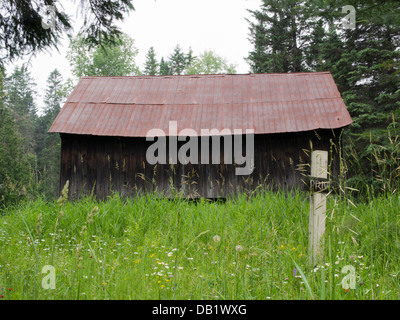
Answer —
20 91
178 60
278 34
15 171
164 68
48 144
151 64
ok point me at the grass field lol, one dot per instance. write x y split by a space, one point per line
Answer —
151 248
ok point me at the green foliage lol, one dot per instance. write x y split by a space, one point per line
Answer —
15 170
164 67
208 62
151 64
117 59
278 34
178 61
373 160
19 99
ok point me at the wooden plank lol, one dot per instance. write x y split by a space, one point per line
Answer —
317 214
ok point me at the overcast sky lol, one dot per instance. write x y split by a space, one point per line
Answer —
217 25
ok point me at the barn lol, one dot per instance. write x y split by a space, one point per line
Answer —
208 136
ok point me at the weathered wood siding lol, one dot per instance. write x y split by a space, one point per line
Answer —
99 165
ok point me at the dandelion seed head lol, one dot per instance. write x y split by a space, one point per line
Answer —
239 248
217 238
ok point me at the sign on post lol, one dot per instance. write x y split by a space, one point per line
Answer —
319 185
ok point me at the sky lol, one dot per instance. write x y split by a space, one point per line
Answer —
218 25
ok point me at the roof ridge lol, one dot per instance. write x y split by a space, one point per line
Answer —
211 75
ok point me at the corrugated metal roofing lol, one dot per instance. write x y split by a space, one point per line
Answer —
267 103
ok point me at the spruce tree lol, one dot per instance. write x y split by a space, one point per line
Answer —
179 60
278 34
151 64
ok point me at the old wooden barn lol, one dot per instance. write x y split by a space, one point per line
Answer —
105 121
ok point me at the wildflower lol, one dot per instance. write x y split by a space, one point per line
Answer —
217 238
294 272
169 254
9 289
239 248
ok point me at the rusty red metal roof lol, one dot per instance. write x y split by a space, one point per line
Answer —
267 103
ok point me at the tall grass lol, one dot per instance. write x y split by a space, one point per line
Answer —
154 248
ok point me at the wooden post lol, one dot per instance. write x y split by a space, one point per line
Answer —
319 169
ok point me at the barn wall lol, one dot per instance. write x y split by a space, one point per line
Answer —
99 165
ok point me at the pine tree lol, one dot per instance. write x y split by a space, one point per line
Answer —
151 64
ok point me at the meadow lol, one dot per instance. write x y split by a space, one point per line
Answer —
249 247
